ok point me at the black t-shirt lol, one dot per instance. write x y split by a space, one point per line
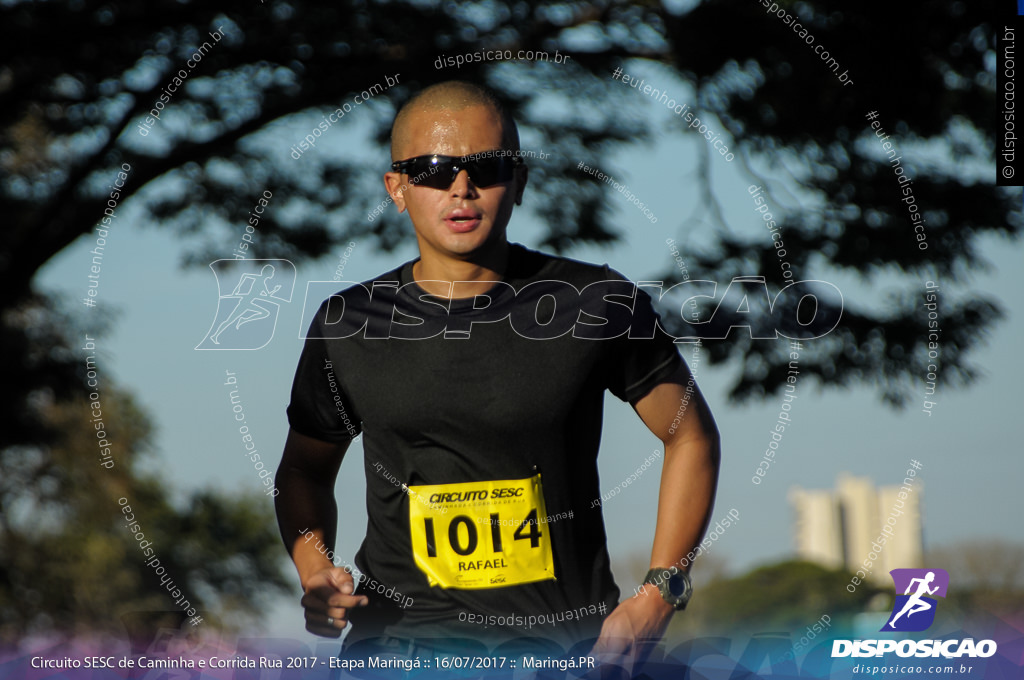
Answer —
497 405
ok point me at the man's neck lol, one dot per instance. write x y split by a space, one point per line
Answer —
475 277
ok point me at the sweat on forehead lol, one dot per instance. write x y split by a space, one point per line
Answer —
453 96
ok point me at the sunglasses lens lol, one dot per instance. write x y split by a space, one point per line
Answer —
438 172
436 175
488 171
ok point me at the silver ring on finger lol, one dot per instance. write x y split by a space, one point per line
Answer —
330 620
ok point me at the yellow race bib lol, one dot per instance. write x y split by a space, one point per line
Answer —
481 534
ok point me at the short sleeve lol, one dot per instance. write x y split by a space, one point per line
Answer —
319 407
636 365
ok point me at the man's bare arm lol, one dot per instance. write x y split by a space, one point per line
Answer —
689 477
688 482
305 478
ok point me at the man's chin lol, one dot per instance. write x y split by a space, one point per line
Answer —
468 244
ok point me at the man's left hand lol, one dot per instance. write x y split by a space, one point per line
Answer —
632 629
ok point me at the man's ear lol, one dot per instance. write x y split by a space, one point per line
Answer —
522 175
395 189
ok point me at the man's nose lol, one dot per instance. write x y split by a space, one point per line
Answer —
462 186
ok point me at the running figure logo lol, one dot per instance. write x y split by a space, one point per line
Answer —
247 316
913 611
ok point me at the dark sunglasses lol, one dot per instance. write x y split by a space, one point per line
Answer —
438 172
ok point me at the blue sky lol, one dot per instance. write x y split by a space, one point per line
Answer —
970 472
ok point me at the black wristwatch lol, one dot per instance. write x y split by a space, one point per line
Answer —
674 585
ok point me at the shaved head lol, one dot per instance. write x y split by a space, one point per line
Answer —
450 96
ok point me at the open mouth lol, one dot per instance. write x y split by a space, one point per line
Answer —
462 220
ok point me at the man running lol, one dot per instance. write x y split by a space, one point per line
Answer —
469 389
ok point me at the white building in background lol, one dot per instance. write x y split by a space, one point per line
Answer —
858 502
838 528
906 549
818 529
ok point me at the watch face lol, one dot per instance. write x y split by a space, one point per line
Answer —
676 589
673 584
677 585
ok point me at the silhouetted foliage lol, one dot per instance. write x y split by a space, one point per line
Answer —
81 77
68 561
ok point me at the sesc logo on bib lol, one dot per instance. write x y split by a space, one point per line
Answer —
481 534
